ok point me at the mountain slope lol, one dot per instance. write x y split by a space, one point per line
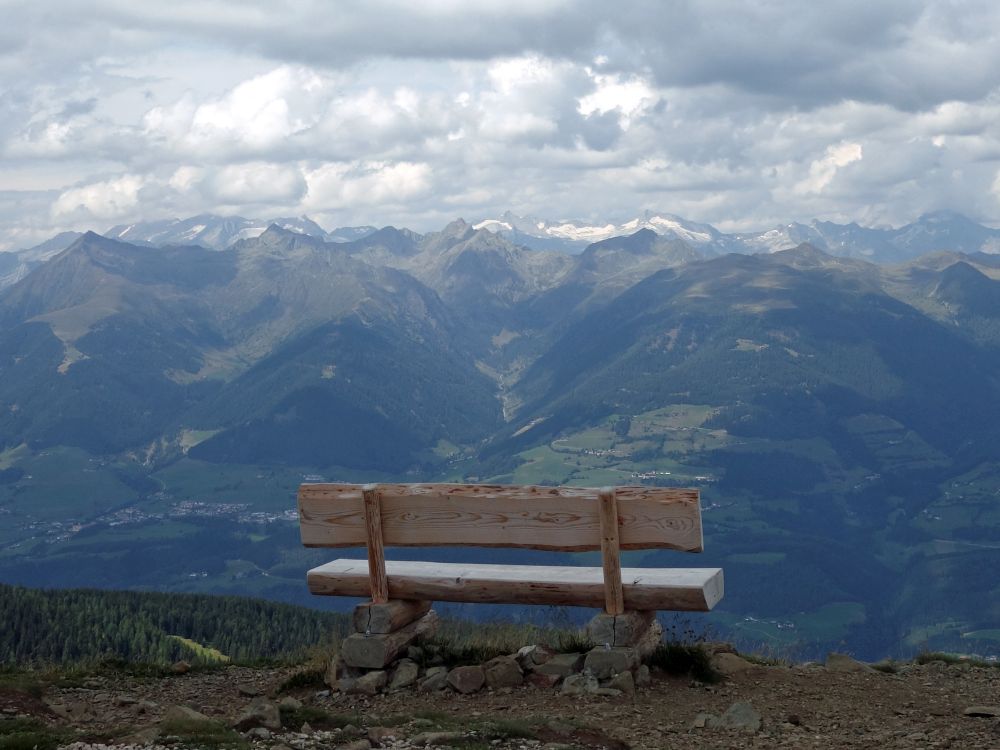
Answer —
151 334
14 266
111 322
744 329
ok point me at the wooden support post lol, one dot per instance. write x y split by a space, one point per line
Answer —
376 547
608 512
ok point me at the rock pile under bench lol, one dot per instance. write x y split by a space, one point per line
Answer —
423 670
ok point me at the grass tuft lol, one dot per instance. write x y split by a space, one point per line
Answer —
317 718
25 682
210 735
766 660
31 734
457 643
308 679
509 729
927 657
572 642
887 666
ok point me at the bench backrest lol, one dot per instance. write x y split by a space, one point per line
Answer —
548 518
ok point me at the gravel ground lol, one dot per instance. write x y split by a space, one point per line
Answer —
921 706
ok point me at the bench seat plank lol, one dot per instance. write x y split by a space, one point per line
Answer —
550 518
686 589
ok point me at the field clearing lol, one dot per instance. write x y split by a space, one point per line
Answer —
992 634
832 620
694 441
203 653
825 624
445 448
758 558
542 465
64 484
654 450
598 438
674 417
188 439
262 488
600 477
895 445
13 456
920 636
948 515
112 537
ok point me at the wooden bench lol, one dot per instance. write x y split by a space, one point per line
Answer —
568 519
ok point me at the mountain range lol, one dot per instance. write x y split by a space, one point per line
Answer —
932 232
160 403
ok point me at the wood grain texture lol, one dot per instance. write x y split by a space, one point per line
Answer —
687 589
552 518
610 558
372 501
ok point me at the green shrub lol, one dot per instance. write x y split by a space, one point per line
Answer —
684 659
31 734
926 657
210 735
307 679
317 718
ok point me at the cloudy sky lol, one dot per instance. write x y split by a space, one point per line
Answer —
741 113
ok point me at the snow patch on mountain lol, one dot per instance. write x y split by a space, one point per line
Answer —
577 234
494 225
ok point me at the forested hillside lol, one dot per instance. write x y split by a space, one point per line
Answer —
77 625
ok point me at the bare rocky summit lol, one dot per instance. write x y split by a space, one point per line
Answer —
933 705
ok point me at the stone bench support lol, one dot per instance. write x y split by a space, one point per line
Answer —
375 650
388 617
623 642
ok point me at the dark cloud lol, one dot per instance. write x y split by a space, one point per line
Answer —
908 54
81 107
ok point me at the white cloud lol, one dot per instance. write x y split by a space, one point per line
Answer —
109 199
628 96
334 186
257 115
822 171
186 178
256 183
514 74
